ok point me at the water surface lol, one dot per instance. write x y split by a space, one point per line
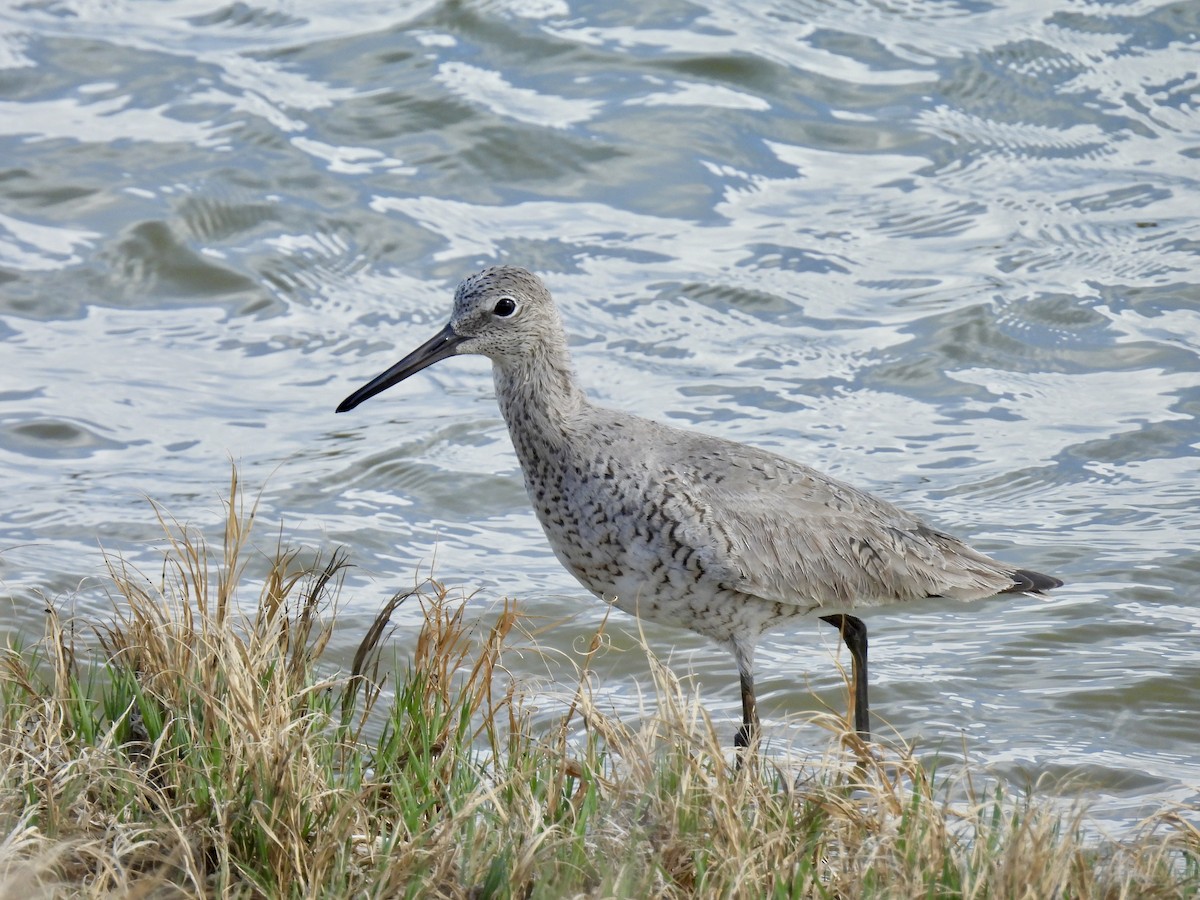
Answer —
945 250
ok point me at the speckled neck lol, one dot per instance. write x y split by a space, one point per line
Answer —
538 396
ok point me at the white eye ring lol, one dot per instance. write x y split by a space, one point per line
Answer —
505 307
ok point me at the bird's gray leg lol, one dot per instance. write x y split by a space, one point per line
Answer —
744 656
854 633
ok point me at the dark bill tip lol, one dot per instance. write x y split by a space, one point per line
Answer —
440 346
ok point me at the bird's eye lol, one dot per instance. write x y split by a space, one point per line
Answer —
505 307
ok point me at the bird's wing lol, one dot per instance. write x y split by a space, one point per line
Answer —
771 527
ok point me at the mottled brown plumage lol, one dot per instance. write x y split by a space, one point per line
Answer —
683 528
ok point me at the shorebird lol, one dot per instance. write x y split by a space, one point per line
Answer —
686 529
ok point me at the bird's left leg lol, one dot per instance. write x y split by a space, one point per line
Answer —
743 654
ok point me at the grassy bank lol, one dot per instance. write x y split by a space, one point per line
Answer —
195 743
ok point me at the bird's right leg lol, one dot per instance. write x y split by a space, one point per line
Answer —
854 634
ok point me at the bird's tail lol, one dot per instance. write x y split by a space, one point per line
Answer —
1026 581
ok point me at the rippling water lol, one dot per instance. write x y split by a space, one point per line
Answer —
945 250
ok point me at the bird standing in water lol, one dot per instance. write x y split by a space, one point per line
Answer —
687 529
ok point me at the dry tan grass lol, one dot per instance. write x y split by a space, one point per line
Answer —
201 748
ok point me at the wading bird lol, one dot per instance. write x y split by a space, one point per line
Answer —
686 529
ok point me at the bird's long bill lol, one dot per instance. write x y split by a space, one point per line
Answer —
437 348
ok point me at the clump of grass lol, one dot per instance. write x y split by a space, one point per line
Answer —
200 746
